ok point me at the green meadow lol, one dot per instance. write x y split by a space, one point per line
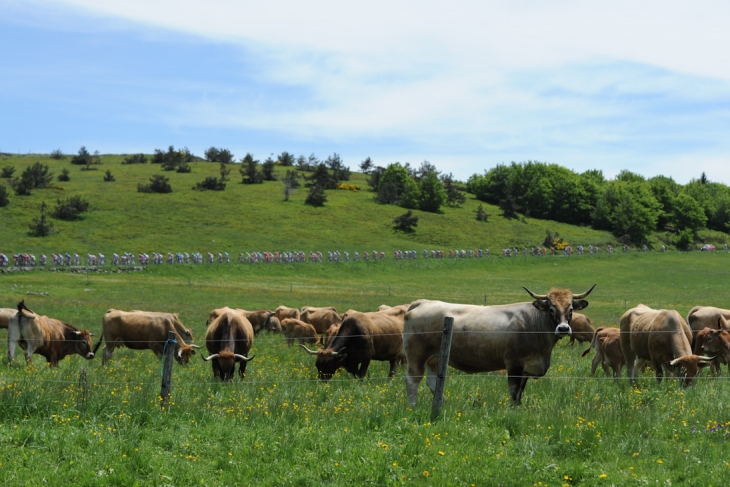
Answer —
280 426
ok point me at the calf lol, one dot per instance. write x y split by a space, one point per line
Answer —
607 344
715 341
582 328
299 330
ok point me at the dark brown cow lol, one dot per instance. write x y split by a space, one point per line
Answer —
362 337
141 330
299 330
45 336
518 337
660 338
582 328
699 348
228 339
320 318
607 344
259 319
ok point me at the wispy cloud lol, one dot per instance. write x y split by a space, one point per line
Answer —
465 85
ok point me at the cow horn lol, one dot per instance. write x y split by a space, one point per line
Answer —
335 354
243 357
210 357
702 358
581 296
535 296
310 352
77 332
192 345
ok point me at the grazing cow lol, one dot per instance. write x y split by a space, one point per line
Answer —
330 333
699 347
181 329
259 319
582 328
299 330
228 339
282 312
362 337
5 315
701 317
320 318
141 330
45 336
718 342
607 344
660 338
274 325
518 337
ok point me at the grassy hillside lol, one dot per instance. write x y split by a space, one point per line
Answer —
245 217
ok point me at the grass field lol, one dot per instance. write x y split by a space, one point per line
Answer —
280 426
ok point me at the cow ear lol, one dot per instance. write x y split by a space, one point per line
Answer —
580 304
541 304
192 351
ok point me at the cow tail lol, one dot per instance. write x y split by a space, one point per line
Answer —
101 339
593 343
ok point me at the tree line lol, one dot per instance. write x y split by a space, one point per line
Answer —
630 206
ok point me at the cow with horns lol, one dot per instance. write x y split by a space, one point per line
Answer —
228 339
46 336
517 337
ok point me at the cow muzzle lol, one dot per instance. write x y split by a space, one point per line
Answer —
90 355
563 329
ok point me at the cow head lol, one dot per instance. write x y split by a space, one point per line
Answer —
184 352
80 342
328 361
716 341
560 303
687 367
227 363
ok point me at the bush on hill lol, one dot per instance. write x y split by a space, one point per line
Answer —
316 196
109 177
65 175
41 227
70 209
158 184
4 196
135 159
7 172
214 154
57 154
406 222
83 158
251 175
210 183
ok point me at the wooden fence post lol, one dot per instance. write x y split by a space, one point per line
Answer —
438 397
167 367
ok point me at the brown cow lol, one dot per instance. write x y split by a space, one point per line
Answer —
259 319
274 325
228 339
718 342
701 317
607 344
299 330
362 337
320 318
140 330
282 313
660 338
699 347
582 328
45 336
5 315
519 337
181 329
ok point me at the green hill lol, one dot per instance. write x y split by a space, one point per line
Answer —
248 217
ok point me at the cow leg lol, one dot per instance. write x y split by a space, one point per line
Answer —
414 375
516 382
659 369
363 369
106 356
597 359
432 367
393 368
13 337
606 368
631 362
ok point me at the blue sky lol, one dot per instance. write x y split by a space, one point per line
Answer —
465 86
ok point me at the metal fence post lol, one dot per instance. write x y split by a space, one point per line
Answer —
167 368
438 397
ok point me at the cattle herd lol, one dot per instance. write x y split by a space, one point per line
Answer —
517 338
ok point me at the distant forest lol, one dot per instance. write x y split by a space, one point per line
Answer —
630 206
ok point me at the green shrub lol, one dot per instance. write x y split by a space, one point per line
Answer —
4 196
210 183
158 184
70 209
